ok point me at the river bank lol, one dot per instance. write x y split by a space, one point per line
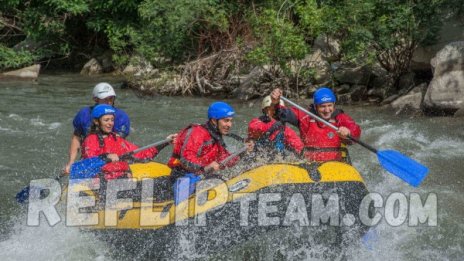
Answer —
434 91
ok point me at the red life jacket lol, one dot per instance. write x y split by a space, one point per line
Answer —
196 147
95 145
321 142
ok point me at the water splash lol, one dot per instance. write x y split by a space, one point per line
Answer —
50 243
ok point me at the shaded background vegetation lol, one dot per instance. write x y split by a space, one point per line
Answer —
166 33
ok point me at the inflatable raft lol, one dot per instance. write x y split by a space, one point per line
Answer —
223 213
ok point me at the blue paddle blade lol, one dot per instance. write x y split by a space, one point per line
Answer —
87 168
403 167
370 239
23 195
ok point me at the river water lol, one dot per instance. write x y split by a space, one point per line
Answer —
36 126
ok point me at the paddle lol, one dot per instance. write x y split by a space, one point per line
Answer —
86 168
23 195
231 156
90 167
185 186
407 169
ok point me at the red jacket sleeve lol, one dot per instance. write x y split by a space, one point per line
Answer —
255 129
292 140
346 121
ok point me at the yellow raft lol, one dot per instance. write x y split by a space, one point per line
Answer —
258 200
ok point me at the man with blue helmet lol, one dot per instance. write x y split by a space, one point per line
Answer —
199 149
321 143
103 93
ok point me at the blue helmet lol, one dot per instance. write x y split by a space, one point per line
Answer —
220 110
323 95
102 109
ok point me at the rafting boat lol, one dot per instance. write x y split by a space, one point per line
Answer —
258 200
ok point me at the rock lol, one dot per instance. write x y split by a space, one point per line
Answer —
381 80
409 103
374 100
390 99
141 68
352 75
129 69
375 93
459 113
446 90
358 93
344 99
329 47
321 67
406 81
106 61
30 72
421 58
92 67
249 84
342 89
311 90
452 30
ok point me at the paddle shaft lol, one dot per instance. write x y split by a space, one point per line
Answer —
330 125
233 155
151 145
224 162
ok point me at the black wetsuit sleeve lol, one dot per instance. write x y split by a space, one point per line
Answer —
285 114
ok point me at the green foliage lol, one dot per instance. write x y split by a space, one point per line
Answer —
397 28
12 59
280 41
175 29
164 32
311 18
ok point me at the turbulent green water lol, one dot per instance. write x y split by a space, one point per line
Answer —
35 129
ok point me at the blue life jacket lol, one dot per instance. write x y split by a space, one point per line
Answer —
83 121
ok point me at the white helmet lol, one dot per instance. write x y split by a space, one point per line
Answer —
267 101
103 90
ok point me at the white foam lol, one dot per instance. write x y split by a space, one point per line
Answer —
37 122
15 116
50 243
9 130
54 125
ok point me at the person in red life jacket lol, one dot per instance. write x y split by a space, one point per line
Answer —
199 149
103 93
103 142
269 133
321 143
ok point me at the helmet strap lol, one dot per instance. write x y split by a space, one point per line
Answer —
215 124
